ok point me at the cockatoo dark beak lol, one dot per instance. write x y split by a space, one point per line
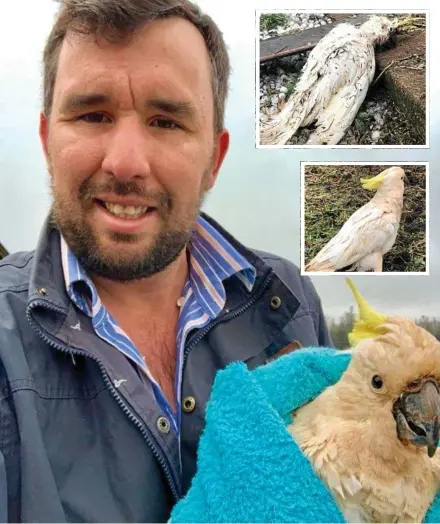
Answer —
393 36
417 415
390 40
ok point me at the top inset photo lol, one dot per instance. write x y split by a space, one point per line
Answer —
342 79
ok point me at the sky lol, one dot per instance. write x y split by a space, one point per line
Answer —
257 196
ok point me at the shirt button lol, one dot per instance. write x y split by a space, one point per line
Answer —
163 425
189 404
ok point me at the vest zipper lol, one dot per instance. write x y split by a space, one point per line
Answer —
161 458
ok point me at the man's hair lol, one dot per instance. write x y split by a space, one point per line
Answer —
116 20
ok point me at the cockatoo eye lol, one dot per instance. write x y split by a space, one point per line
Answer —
377 382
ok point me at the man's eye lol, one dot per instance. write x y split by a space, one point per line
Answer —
164 123
93 118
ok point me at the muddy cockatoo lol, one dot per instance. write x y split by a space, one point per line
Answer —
373 436
333 84
370 232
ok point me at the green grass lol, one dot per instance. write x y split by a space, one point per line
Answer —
291 83
273 20
334 193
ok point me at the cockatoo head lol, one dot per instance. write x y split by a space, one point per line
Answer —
394 374
378 29
391 178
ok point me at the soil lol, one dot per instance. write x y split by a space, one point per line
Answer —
405 78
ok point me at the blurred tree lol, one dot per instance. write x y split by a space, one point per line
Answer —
3 251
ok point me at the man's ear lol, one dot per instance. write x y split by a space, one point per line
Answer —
221 148
44 133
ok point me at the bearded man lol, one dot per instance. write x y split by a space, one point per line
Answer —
112 330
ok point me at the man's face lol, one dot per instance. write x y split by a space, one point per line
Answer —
131 148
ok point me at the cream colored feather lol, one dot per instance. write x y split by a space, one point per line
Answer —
370 232
349 432
333 84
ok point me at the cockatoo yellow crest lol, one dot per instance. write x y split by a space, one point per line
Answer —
373 183
367 321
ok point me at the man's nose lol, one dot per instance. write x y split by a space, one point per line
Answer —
127 150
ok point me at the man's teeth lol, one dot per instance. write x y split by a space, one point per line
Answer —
126 211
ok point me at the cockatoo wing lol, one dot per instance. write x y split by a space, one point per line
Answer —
367 231
342 109
325 455
341 60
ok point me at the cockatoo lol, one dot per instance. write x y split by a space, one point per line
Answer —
370 232
372 437
333 84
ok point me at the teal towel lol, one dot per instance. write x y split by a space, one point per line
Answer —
249 468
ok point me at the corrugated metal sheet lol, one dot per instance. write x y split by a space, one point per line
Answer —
3 251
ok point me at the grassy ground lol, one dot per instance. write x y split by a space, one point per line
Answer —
334 193
272 20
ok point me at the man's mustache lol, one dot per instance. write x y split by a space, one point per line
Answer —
161 199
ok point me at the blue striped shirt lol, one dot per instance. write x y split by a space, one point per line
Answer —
212 260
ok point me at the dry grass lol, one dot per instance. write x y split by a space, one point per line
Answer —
408 23
334 193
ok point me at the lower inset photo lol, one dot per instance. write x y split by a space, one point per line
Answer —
364 217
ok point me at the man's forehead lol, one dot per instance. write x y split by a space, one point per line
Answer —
167 55
174 39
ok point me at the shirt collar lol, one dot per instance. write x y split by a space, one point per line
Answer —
212 260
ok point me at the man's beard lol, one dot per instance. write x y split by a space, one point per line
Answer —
83 242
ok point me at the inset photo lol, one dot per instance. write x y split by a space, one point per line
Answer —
342 79
364 218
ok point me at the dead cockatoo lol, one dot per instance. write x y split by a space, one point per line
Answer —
372 437
333 84
370 232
